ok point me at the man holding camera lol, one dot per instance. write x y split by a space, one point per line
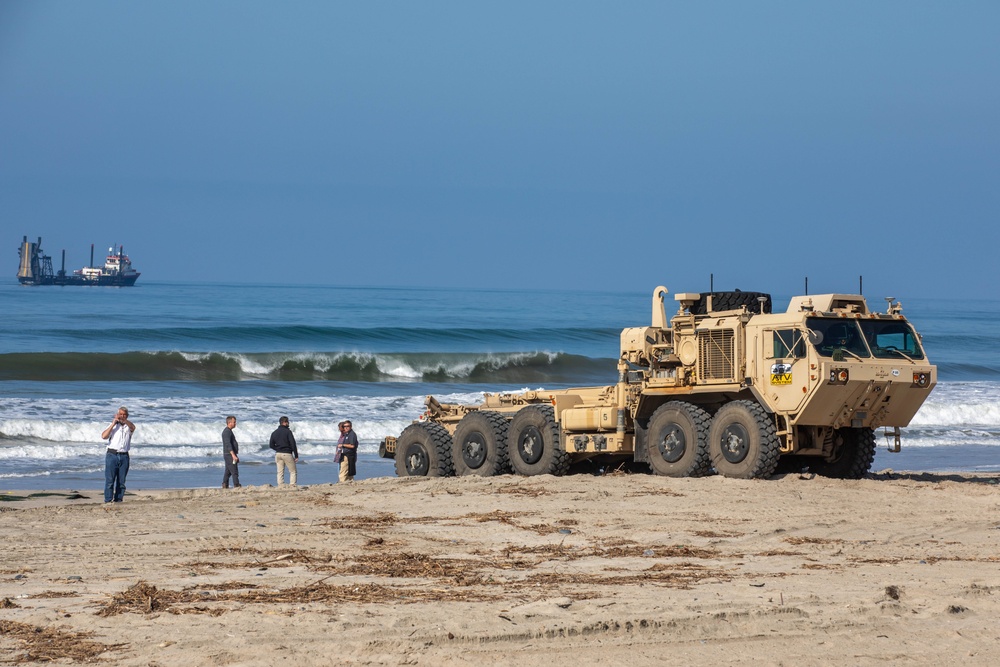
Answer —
116 460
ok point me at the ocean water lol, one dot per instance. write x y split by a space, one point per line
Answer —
183 356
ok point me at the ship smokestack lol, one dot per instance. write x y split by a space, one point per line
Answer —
91 255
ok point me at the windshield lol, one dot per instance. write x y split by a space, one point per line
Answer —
838 338
891 339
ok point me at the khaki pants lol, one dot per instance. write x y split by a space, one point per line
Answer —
345 467
283 460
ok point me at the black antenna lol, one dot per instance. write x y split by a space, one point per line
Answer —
711 283
861 284
807 286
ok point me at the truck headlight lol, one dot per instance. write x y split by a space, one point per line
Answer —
839 376
921 379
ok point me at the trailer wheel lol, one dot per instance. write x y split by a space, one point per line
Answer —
533 442
853 454
480 445
742 441
424 450
383 451
677 440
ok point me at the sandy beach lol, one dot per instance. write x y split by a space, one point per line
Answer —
638 569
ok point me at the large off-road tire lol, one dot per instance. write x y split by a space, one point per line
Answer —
424 450
480 445
742 441
677 440
854 451
533 442
732 301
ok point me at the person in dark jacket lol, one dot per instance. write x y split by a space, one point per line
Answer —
286 452
230 454
347 445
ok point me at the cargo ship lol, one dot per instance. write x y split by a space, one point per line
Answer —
35 268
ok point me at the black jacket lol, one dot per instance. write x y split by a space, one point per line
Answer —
349 438
283 442
229 443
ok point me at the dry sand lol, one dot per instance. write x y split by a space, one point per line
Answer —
621 569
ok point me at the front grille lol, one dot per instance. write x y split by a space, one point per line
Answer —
717 355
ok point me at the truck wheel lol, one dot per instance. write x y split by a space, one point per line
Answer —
677 440
742 441
424 450
852 457
480 445
533 442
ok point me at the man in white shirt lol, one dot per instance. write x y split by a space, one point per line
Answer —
119 437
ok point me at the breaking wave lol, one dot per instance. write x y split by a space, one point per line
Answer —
506 367
300 337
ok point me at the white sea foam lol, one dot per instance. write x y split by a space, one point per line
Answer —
961 404
22 438
66 428
43 435
94 412
968 410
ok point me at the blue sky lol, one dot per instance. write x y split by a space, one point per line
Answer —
609 146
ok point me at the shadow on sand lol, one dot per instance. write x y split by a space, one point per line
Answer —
935 477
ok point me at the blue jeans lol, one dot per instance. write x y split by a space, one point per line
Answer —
115 470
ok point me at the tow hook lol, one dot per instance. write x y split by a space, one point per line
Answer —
896 445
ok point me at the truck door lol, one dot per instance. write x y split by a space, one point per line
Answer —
783 370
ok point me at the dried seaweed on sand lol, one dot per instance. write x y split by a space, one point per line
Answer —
48 644
143 598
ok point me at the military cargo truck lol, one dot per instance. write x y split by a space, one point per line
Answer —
725 386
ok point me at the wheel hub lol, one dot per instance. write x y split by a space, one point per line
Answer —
673 444
529 445
735 443
474 450
417 461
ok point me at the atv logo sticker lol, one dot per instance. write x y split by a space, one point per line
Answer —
781 373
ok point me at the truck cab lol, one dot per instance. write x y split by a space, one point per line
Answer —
828 362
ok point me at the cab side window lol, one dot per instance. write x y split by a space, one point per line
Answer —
787 343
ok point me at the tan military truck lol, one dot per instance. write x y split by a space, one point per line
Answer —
725 385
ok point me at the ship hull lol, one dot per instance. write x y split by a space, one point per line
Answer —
102 281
